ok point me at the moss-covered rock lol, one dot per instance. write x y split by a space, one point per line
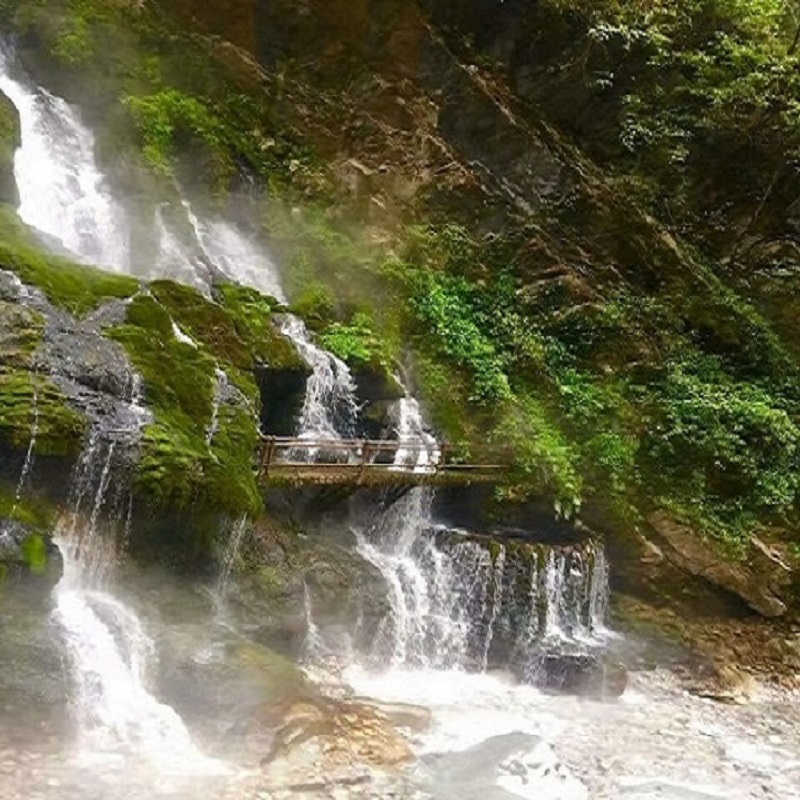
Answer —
199 449
33 511
25 535
29 401
74 287
10 139
252 316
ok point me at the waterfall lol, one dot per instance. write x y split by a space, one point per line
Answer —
461 602
62 192
229 556
419 448
429 624
234 255
107 647
330 409
219 394
177 259
314 645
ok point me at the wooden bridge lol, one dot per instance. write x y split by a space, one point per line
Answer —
370 462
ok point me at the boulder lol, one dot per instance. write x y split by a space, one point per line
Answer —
582 674
25 551
336 737
760 578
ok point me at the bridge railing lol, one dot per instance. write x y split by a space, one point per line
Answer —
279 453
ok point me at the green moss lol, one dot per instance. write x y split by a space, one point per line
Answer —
177 468
60 430
34 553
21 331
206 322
9 134
73 287
251 314
33 511
178 378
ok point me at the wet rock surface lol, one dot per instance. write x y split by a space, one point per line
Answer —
582 674
761 578
25 551
92 372
10 139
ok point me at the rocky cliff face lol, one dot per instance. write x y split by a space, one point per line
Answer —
455 177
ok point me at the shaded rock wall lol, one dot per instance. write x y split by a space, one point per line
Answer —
9 141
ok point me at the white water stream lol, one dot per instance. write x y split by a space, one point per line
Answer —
62 192
107 647
330 409
64 195
29 454
419 448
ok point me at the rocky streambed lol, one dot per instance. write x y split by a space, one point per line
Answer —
329 723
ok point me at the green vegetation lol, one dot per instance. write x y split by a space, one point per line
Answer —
633 340
357 342
74 287
711 434
251 315
158 92
60 430
178 468
34 512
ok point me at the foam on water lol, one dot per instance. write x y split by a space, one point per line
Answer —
472 713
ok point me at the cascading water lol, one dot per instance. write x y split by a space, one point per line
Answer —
460 608
461 602
64 195
177 259
418 447
330 409
314 645
219 392
108 649
235 255
62 192
426 626
229 556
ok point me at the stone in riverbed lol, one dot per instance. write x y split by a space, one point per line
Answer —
582 674
331 742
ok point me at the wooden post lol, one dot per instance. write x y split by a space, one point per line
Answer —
266 456
366 450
